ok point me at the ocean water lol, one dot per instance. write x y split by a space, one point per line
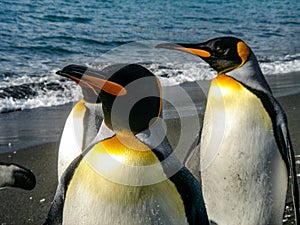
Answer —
39 37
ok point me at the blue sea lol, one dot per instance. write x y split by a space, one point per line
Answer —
39 37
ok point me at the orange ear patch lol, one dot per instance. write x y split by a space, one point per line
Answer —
243 51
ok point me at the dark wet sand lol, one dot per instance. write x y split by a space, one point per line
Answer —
20 207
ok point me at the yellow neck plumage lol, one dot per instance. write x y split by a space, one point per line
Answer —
125 160
126 149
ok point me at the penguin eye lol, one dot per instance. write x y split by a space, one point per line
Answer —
220 50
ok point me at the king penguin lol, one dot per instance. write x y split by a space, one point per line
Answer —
13 175
246 151
85 119
129 177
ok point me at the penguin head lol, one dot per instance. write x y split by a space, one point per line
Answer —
223 54
228 55
130 94
91 82
140 107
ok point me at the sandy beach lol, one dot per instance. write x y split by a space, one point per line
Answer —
20 207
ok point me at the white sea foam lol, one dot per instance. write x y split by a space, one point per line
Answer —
280 67
52 90
44 95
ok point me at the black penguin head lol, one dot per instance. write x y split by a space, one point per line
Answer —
130 94
223 54
139 107
90 81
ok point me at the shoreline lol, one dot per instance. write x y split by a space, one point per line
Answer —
45 124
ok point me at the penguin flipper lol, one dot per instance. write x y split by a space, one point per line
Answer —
293 174
14 175
192 197
186 184
55 214
284 144
286 149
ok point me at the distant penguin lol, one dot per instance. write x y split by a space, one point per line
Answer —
85 118
129 177
246 151
13 175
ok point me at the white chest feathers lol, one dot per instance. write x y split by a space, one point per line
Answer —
95 199
244 178
72 138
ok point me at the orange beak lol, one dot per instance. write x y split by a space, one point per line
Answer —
82 76
190 48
